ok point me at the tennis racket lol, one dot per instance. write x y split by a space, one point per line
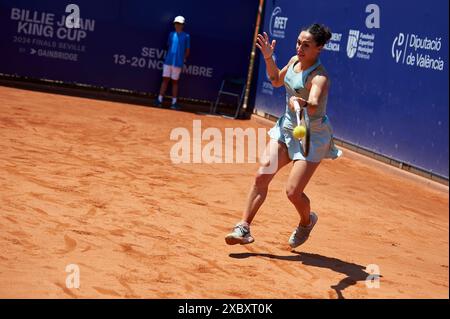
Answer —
301 120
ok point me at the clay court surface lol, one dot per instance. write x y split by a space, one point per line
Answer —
91 183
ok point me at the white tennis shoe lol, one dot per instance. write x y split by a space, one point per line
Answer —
240 235
301 233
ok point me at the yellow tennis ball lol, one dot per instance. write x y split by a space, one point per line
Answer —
299 132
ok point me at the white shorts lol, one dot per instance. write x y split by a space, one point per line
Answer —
170 71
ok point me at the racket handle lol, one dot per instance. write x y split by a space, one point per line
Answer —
297 111
296 106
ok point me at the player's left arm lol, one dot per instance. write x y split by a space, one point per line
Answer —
319 87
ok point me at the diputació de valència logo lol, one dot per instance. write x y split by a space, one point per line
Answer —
418 51
278 24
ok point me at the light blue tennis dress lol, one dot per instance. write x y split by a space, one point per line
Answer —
321 131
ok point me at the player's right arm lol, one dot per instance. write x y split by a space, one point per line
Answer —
276 75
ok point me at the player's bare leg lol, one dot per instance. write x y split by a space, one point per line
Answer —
274 158
300 175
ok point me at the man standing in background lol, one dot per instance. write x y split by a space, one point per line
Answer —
179 44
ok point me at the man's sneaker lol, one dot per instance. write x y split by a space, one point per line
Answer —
175 106
301 233
239 235
157 103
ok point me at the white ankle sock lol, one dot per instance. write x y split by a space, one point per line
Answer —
174 100
244 224
160 98
307 226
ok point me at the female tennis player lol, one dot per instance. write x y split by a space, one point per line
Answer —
307 82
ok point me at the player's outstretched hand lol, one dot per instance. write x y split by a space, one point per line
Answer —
263 43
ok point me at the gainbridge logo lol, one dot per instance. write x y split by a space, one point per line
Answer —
278 24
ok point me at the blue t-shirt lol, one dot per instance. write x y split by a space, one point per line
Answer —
178 43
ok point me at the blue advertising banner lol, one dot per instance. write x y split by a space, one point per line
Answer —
388 66
122 44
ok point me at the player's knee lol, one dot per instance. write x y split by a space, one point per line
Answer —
262 180
267 161
296 195
264 161
305 199
292 194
